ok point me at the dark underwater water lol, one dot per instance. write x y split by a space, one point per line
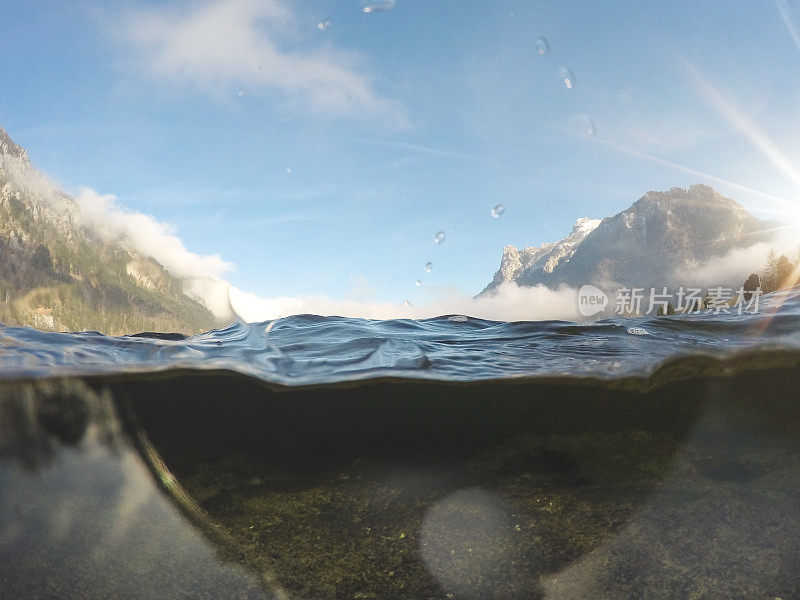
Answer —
317 457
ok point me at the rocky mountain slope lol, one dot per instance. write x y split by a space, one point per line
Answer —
58 274
544 258
661 235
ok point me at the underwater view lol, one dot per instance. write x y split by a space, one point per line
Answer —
318 457
399 300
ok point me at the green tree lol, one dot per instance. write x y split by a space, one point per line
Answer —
769 280
41 259
751 285
670 310
783 273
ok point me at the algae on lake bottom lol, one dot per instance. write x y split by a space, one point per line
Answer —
627 514
492 524
559 490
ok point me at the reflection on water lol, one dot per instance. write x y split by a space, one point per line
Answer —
80 516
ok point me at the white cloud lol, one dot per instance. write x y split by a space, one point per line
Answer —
146 235
227 43
729 270
203 277
509 303
100 213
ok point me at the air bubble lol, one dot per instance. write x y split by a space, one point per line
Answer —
418 282
439 237
370 6
241 93
288 170
324 25
428 267
567 76
498 210
542 46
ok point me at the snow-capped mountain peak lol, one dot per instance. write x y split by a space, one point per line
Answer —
659 235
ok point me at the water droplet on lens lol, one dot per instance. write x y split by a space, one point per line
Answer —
439 238
464 542
428 267
241 93
418 282
542 46
498 210
370 6
324 25
567 76
582 125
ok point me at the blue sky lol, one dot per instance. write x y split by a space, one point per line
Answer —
323 162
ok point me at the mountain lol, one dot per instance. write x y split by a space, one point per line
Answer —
649 244
58 274
515 263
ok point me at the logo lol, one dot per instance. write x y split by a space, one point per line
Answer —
591 300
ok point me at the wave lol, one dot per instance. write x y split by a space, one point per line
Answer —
309 350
